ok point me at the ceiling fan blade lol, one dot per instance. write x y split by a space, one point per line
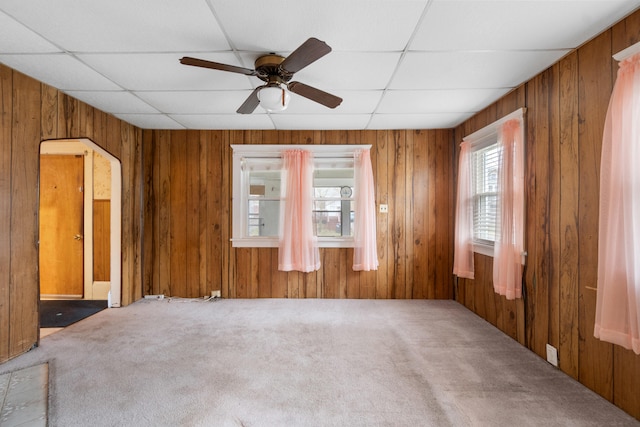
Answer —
314 94
216 66
308 52
250 104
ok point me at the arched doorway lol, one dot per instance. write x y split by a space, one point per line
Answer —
101 199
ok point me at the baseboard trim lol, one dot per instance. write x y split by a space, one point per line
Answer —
59 296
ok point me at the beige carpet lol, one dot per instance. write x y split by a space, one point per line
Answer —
303 363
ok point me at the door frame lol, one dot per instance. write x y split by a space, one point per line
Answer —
82 146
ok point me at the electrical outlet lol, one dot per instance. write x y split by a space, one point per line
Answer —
384 208
552 355
215 294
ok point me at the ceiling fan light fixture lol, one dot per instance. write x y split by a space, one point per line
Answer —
274 98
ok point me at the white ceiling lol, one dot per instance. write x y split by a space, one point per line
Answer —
398 64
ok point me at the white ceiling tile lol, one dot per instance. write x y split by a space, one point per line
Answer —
122 25
321 121
16 38
150 121
353 102
417 121
114 102
362 25
350 71
196 102
225 121
62 71
438 101
465 70
227 102
471 25
164 72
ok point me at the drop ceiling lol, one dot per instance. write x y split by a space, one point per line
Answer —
397 64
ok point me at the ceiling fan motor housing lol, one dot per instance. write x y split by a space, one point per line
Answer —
268 69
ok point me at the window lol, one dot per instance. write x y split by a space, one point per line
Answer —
490 203
257 194
617 317
333 201
484 187
484 158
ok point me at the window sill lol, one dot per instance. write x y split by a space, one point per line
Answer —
335 242
272 242
483 249
255 242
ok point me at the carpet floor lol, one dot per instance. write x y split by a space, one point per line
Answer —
272 362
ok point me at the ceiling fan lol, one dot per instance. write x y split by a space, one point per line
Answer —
276 71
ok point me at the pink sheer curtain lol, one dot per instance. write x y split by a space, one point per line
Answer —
618 296
365 254
509 246
298 249
463 240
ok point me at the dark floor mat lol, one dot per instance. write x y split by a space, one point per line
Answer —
62 313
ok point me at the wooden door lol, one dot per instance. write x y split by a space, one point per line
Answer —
61 225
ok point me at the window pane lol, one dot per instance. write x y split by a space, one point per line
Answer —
264 183
327 205
486 169
264 216
333 222
327 224
485 186
485 216
327 192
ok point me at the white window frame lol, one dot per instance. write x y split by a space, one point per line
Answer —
479 140
256 152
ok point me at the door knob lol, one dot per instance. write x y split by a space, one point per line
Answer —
78 237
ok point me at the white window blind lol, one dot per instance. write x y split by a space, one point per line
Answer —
485 196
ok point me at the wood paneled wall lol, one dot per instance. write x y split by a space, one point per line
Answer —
29 113
566 107
187 219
